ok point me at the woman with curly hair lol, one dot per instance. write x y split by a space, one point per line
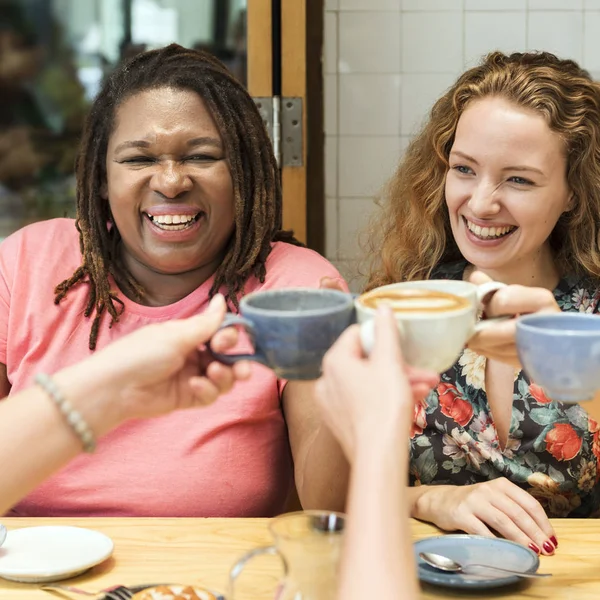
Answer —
504 178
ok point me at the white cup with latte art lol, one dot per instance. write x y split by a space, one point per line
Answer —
435 317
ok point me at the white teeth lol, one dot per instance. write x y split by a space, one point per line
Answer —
172 219
488 232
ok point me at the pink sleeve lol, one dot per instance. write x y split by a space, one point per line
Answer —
7 256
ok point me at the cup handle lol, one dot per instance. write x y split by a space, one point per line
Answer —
241 564
230 359
486 290
484 293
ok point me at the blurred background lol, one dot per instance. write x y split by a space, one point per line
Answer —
54 55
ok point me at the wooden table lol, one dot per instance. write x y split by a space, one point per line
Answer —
201 551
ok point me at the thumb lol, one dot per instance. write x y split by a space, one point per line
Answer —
199 329
478 278
387 338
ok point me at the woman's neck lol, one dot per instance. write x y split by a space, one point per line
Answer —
162 289
539 270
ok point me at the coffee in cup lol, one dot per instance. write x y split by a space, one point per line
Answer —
414 300
435 318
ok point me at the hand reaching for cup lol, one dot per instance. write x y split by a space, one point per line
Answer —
162 367
497 342
360 396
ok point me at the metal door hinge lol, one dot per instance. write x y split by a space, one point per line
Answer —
283 120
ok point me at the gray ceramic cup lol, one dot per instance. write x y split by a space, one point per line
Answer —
561 353
291 329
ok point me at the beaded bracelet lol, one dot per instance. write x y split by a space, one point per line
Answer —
73 417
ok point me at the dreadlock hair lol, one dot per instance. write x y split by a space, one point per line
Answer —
254 173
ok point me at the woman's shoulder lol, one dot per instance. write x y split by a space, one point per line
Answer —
578 293
44 247
49 234
297 266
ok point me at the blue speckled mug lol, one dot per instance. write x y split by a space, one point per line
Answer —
561 353
291 329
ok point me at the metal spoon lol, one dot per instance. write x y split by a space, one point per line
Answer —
2 534
443 563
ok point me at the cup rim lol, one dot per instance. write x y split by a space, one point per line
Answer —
528 323
244 302
302 513
417 315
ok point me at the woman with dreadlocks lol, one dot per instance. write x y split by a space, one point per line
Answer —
178 199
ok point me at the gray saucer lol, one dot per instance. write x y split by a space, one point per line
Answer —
470 549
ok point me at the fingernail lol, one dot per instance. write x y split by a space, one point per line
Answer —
554 541
216 303
534 548
548 547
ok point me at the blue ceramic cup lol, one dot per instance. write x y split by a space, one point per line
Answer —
291 329
561 353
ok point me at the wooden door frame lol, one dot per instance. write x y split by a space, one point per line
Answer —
301 77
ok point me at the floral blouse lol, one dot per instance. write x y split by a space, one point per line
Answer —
553 449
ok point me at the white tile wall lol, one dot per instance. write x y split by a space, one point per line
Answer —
370 5
331 226
560 32
360 42
555 4
419 93
385 64
495 5
433 5
364 162
591 40
432 42
486 31
331 166
330 102
368 104
354 215
330 42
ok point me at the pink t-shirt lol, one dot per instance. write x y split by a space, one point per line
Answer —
229 459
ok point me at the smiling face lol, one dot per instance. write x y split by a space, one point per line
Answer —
169 185
505 190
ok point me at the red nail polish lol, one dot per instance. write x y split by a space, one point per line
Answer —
548 547
534 548
554 541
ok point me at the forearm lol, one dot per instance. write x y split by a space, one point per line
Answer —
323 476
35 439
378 559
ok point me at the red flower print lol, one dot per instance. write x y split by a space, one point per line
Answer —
452 405
538 393
596 447
563 442
419 421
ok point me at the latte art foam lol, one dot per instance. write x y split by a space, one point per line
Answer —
414 301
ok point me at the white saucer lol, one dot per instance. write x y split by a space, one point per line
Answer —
51 553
